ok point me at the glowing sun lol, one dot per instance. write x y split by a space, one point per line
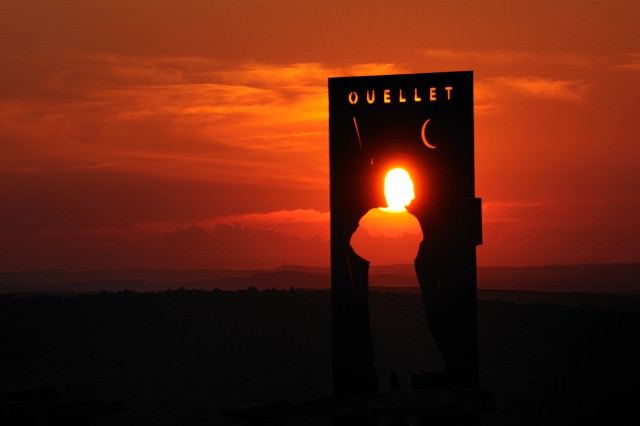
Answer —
398 190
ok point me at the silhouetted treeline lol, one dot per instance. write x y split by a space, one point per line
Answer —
179 357
596 278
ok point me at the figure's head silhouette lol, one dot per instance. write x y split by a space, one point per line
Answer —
398 190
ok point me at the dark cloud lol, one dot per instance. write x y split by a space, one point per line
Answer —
95 198
187 247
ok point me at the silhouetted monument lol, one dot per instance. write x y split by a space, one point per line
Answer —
422 123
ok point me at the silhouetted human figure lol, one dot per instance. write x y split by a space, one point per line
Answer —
447 285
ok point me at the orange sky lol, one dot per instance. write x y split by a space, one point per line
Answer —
193 133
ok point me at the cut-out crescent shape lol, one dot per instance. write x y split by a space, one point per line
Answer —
424 136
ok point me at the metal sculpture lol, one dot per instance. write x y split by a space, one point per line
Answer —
424 124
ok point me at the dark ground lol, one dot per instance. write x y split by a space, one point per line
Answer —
179 357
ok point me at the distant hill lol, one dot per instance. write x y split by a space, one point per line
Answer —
111 280
622 278
590 278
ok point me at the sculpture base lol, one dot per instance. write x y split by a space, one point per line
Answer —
416 406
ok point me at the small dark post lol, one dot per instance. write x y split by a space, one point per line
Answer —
424 123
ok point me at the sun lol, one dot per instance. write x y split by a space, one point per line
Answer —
398 190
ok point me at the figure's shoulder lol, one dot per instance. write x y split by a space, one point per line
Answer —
390 223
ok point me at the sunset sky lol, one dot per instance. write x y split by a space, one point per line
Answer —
194 133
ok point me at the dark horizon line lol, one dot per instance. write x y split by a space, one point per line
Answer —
300 266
